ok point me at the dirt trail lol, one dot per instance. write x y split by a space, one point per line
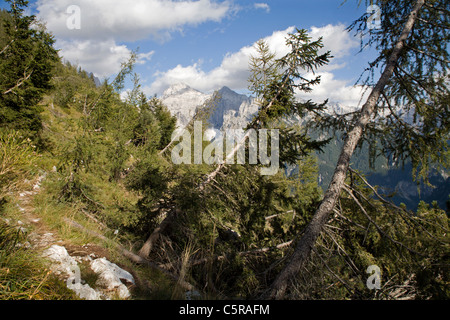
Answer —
41 237
67 259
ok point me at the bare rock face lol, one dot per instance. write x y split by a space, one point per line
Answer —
66 266
232 110
183 101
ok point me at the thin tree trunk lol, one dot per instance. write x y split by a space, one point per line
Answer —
168 220
144 252
314 228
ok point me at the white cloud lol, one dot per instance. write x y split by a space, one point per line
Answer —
142 58
263 6
335 38
128 20
232 72
105 23
334 90
234 69
103 58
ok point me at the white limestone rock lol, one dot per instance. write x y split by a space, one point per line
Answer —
110 276
66 266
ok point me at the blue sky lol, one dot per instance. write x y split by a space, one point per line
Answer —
203 43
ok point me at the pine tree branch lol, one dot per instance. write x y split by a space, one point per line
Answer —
321 216
380 231
350 262
419 82
347 219
126 68
429 55
402 211
242 142
443 10
391 109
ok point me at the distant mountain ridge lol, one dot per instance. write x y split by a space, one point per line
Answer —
183 101
231 111
234 111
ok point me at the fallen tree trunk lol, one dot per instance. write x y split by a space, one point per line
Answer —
321 216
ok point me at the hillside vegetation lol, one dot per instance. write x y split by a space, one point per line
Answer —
109 183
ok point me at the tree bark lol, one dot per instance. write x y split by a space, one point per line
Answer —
321 216
146 249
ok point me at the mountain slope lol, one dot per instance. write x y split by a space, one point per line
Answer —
231 111
183 101
235 110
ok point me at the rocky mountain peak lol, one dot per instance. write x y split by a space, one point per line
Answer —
176 89
183 101
226 90
232 110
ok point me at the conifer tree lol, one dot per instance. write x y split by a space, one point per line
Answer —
274 82
407 58
27 60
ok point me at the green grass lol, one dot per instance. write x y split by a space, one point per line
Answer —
23 274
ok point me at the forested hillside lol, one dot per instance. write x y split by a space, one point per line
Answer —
394 180
206 231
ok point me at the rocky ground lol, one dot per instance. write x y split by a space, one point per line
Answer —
85 269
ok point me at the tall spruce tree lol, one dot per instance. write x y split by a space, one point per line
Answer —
274 82
27 60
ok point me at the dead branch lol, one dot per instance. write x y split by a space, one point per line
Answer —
7 46
382 233
340 249
168 215
280 214
90 216
19 83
